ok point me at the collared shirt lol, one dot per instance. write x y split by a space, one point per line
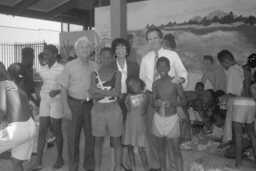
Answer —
147 67
76 78
235 78
49 77
124 76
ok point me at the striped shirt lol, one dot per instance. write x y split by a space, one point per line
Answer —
49 76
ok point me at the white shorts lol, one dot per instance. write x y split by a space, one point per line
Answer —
51 108
19 137
166 126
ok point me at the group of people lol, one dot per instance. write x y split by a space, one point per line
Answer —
139 104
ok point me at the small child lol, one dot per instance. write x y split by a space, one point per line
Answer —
14 106
166 120
135 127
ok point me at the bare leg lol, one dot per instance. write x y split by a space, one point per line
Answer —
251 134
118 154
125 158
173 146
162 153
131 156
43 128
56 123
17 164
98 153
238 135
144 158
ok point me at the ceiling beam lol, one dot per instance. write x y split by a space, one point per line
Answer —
62 8
22 5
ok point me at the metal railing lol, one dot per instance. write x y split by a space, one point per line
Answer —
11 52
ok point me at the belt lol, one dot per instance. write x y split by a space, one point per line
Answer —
80 101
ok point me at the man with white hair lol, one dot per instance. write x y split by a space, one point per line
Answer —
77 103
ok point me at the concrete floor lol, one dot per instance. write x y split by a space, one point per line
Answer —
215 159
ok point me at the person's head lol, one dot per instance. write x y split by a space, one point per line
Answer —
15 73
106 56
59 58
41 59
27 56
252 60
199 87
83 48
163 66
135 85
154 37
120 48
130 39
105 42
50 54
218 119
226 59
207 61
169 42
207 99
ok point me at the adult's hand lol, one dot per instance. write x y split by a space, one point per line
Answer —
178 80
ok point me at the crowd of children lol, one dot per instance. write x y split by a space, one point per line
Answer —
209 111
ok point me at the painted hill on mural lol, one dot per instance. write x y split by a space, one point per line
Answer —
215 20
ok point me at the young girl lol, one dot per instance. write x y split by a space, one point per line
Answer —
135 126
18 135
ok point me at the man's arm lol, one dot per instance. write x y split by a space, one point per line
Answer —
180 71
64 100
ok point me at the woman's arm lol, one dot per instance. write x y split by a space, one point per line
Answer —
2 100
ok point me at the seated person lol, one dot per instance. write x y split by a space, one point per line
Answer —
217 127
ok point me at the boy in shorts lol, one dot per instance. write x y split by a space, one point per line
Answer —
166 120
18 136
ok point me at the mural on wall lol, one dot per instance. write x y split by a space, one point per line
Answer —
199 26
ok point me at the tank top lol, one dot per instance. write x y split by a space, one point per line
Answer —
106 85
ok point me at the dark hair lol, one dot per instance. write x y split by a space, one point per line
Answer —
208 58
219 93
252 60
26 53
41 55
163 59
120 41
199 84
152 29
225 55
129 36
106 49
51 48
171 39
16 73
134 78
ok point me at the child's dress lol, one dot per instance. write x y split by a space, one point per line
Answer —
135 127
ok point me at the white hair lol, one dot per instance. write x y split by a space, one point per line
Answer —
82 39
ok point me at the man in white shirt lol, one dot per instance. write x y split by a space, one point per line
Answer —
154 37
241 109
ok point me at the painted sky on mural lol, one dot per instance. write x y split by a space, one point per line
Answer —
162 11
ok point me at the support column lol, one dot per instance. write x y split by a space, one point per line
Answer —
118 18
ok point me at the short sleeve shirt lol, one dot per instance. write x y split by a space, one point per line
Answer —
49 77
76 78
